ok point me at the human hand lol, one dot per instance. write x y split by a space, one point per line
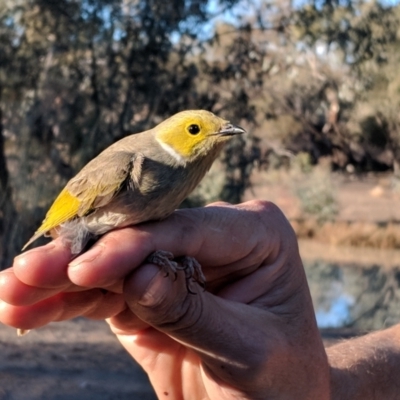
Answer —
251 334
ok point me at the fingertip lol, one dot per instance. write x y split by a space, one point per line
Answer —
25 317
24 259
17 293
43 266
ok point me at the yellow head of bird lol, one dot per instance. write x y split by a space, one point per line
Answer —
194 133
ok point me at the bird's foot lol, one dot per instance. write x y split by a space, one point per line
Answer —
165 260
192 270
169 264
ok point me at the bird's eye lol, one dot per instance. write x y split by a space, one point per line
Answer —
193 129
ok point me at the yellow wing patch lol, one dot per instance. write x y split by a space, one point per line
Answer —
94 187
65 207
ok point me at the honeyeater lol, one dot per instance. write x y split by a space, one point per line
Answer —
142 177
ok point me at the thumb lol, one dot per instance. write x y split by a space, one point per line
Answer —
219 331
168 302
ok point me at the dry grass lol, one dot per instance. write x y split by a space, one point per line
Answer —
345 210
349 233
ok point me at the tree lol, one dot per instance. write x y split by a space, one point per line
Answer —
78 75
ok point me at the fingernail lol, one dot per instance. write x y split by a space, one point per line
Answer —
156 290
89 256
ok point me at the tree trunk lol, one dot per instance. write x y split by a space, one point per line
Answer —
8 214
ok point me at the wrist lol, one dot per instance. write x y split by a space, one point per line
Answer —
366 367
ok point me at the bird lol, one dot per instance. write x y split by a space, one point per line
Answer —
142 177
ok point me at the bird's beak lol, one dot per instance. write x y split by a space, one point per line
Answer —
229 129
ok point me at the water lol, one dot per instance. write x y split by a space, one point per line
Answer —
350 287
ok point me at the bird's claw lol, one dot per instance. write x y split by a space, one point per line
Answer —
165 260
189 265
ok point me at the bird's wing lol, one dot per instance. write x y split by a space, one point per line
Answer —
93 187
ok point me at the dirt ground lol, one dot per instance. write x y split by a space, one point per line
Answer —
81 359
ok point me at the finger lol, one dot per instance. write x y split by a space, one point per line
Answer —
93 303
126 323
45 266
201 233
17 293
194 320
110 259
109 304
42 268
